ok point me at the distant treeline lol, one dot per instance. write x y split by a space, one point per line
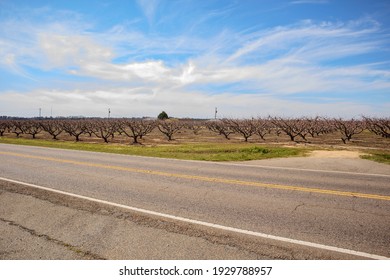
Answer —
90 118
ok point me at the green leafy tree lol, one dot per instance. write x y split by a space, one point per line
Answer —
163 116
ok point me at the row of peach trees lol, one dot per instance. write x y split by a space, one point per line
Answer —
297 129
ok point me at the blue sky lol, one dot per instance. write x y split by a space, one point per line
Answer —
248 58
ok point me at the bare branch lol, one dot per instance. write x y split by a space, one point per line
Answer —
169 127
136 129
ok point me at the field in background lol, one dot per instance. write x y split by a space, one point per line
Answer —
204 144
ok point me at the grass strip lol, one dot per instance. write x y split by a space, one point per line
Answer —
381 157
203 151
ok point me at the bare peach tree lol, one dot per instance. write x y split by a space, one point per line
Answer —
220 127
53 127
379 126
292 127
194 126
136 129
169 127
318 126
304 126
74 128
89 127
348 128
4 126
103 129
262 127
32 127
17 127
245 127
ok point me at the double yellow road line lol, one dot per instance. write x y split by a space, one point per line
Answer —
205 179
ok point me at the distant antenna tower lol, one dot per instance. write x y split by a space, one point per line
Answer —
109 112
216 111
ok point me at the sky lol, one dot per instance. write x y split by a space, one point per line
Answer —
248 58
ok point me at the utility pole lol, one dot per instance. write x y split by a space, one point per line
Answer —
40 111
109 112
216 111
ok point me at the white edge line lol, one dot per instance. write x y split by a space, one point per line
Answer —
211 225
218 163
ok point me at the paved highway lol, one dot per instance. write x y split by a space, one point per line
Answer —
343 210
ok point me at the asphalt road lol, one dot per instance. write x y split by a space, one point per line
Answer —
340 209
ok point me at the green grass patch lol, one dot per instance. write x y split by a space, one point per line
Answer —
204 151
382 157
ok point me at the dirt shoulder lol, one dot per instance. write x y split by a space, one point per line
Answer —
336 154
341 160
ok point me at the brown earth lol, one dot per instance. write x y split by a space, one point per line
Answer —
335 154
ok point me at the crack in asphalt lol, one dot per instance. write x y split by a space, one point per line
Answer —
75 249
299 205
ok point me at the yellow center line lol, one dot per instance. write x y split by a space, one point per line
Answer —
207 179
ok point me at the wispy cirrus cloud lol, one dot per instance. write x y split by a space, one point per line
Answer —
149 8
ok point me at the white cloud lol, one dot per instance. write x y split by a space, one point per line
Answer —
72 50
149 70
